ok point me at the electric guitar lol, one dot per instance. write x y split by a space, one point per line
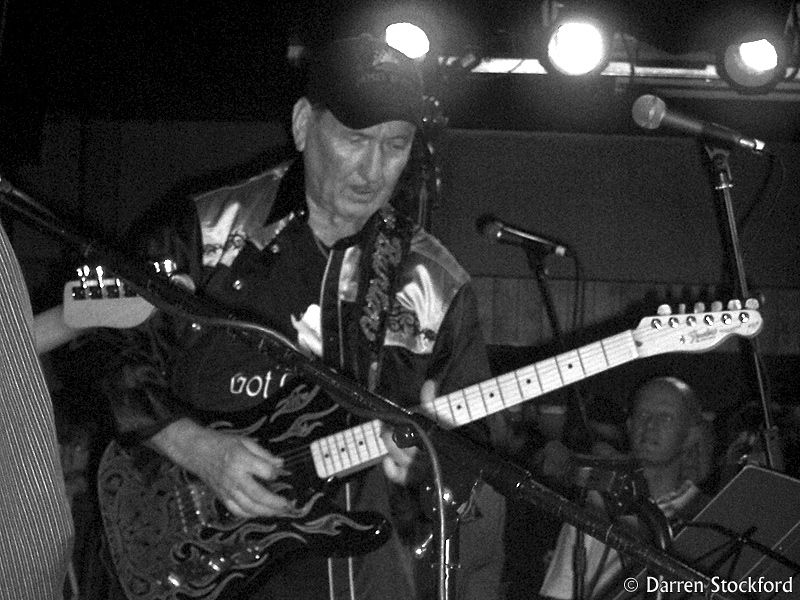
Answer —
171 540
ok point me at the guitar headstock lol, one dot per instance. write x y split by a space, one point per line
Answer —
97 299
697 331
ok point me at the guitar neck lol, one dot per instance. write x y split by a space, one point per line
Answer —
353 449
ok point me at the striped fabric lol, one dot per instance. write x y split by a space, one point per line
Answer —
35 522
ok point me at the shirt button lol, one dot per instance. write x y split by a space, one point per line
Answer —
238 285
274 248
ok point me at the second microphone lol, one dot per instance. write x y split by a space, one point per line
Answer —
503 233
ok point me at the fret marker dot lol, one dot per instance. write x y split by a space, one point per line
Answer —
458 406
341 450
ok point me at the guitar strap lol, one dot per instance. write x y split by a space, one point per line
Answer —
388 239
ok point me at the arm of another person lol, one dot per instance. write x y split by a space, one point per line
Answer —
50 331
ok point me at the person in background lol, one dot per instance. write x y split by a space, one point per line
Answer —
672 443
314 248
36 529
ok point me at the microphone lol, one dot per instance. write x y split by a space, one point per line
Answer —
502 233
650 112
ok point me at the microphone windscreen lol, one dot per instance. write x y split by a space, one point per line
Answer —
648 111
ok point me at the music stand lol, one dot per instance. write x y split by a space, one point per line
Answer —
750 529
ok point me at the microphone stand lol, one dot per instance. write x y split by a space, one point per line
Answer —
723 182
536 257
536 264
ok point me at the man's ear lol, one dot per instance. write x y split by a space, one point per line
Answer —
301 115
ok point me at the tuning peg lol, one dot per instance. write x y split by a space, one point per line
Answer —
83 275
99 272
682 308
699 307
752 304
735 304
664 310
716 306
170 266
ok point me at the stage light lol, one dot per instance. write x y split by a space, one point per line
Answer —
409 39
760 55
577 45
753 63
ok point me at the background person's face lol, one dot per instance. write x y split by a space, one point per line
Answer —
350 174
658 429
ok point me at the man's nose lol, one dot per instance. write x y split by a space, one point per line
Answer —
372 163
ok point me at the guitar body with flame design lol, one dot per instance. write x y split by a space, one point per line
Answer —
170 539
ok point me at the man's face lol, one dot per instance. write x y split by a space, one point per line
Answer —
658 428
350 173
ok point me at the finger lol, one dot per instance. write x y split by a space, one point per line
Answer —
241 483
394 472
235 509
427 393
242 506
257 449
256 500
253 483
402 456
257 461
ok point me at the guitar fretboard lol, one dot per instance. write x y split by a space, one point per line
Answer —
353 449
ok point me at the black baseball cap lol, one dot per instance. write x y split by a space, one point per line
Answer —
363 81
